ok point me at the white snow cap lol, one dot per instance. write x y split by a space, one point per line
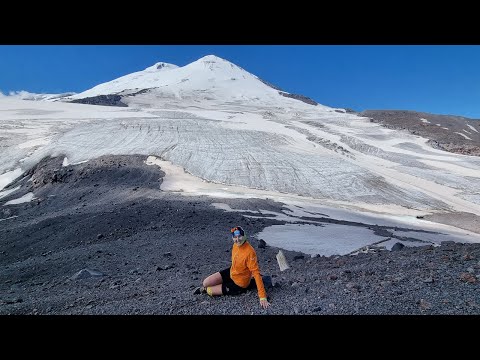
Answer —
25 95
211 60
209 76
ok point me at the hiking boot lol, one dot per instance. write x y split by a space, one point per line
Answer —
199 290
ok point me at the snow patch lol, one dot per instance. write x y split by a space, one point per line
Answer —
326 240
7 192
66 162
471 127
465 136
9 176
25 198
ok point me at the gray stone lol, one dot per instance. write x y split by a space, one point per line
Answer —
262 244
397 246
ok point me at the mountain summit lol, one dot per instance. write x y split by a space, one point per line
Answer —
208 78
161 66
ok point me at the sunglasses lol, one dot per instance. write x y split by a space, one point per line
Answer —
235 232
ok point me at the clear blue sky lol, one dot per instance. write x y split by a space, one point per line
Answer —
438 79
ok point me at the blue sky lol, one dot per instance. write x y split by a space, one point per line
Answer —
442 79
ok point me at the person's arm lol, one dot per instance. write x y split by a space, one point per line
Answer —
252 264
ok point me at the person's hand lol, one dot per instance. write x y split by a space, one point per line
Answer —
264 303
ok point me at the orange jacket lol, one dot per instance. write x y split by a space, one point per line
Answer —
244 264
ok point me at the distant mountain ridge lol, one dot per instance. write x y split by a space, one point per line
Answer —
451 133
25 95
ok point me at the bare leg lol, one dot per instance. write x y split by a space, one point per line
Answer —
212 280
214 283
216 289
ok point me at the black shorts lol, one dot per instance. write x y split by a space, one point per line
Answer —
230 288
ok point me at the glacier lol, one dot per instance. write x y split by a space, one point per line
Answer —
235 135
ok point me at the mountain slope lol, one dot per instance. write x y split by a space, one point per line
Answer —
226 127
209 78
447 132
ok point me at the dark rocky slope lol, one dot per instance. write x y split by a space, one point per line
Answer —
443 131
101 238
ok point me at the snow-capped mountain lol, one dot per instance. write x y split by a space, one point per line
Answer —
243 137
25 95
209 78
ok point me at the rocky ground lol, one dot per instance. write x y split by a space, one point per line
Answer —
101 238
443 131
